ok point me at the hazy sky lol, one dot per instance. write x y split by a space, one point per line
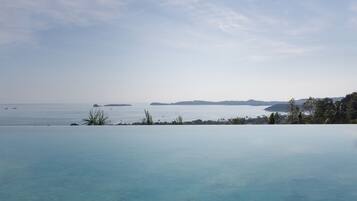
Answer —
116 51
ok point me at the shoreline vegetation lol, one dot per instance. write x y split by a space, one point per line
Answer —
311 111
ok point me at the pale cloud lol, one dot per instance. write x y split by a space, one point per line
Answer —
249 33
353 7
223 18
20 20
313 26
353 22
353 19
244 49
237 20
262 50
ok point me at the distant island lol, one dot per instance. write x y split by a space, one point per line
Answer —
201 102
111 105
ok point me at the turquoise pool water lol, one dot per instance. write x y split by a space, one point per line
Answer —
179 163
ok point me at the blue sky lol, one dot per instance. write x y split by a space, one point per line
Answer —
169 50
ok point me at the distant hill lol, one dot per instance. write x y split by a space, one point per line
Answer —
200 102
284 107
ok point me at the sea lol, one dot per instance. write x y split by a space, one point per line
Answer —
66 114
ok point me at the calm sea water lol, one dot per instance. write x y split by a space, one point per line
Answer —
65 114
179 163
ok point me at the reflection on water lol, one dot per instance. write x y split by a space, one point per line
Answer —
268 163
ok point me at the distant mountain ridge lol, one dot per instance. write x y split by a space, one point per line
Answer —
274 106
201 102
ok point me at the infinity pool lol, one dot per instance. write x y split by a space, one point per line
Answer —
179 163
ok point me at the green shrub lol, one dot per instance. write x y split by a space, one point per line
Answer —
148 118
96 118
